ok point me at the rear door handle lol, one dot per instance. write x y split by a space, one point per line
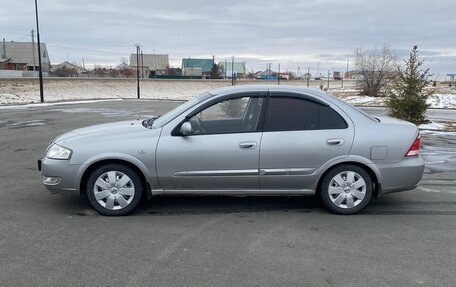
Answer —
248 145
335 141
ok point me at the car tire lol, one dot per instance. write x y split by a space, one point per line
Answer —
346 189
114 189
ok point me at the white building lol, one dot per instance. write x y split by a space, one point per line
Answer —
150 63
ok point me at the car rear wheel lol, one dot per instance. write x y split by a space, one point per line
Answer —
114 189
346 189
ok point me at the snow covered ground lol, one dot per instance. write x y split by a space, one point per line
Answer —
23 91
79 90
19 91
436 101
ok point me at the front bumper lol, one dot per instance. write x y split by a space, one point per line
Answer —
59 176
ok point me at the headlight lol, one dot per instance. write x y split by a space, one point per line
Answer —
58 152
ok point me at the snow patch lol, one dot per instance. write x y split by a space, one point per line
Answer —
37 105
432 126
442 101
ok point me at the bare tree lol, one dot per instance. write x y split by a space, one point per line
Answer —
376 67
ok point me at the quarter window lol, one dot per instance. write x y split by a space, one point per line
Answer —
289 114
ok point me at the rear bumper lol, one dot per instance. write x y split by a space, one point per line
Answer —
401 176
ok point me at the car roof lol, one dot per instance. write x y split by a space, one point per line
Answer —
261 87
271 88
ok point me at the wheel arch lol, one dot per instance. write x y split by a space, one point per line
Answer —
373 175
94 165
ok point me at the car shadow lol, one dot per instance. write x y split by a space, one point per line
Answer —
206 205
198 205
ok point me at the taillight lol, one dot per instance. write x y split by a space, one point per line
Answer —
414 149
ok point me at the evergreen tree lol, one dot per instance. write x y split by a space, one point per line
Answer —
407 95
216 72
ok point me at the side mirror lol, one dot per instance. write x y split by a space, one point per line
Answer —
186 129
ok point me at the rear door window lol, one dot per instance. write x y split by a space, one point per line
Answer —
292 113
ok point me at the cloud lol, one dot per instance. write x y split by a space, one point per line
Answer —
295 33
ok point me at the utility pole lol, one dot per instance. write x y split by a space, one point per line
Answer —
225 68
346 72
278 76
142 65
83 64
348 63
308 76
33 50
327 88
138 47
39 53
4 49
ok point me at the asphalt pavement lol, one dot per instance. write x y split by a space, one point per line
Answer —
401 239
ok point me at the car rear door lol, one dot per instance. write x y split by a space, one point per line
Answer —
221 154
301 134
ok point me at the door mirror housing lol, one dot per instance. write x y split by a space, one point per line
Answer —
186 129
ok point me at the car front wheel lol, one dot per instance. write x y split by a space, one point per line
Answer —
114 189
346 189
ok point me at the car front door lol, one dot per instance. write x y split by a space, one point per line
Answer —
220 154
300 135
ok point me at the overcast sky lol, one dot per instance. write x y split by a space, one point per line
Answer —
294 33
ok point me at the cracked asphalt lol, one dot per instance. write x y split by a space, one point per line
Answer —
402 239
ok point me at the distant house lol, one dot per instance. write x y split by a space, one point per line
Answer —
353 75
174 72
75 69
123 66
150 64
204 64
23 56
268 74
238 68
125 70
192 72
286 75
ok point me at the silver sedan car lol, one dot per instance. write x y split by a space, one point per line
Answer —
243 140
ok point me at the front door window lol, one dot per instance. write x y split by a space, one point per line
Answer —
237 115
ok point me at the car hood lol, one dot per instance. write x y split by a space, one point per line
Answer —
104 132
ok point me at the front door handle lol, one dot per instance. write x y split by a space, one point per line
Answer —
248 145
335 141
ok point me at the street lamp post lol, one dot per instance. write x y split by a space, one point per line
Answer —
39 54
278 76
327 87
233 80
137 69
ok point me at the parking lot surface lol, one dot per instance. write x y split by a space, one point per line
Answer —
402 239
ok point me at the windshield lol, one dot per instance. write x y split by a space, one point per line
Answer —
161 121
